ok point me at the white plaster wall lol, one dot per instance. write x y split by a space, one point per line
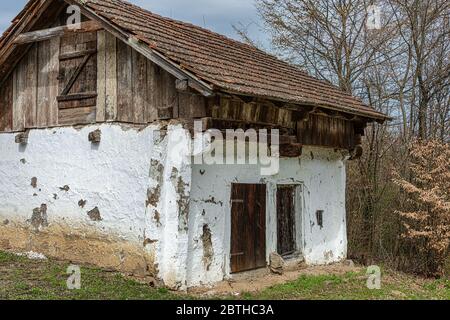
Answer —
173 153
112 176
321 175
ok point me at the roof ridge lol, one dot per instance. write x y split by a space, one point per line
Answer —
234 41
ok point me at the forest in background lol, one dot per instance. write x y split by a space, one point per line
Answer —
395 56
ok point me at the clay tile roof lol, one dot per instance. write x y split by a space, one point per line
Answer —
226 64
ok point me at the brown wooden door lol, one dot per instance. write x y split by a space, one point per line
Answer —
248 227
286 243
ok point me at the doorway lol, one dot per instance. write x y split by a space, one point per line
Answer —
286 220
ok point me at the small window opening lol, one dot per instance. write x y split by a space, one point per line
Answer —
319 216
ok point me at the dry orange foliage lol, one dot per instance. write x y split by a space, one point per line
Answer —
426 211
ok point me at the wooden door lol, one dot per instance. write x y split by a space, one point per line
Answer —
248 227
286 240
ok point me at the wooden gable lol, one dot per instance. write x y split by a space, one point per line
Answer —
94 74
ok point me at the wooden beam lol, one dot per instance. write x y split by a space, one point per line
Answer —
76 96
46 34
216 123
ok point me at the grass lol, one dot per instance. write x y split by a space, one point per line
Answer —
352 286
24 279
21 278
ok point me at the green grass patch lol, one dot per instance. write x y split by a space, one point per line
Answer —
353 286
21 278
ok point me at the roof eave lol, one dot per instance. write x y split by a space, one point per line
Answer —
374 116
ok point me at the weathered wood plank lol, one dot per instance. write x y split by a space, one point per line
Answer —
191 105
47 82
169 96
124 83
6 105
77 116
77 96
25 91
43 84
53 84
46 34
139 87
153 93
223 124
18 118
31 88
111 77
327 131
101 76
77 54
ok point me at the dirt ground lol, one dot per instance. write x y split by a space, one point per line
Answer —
258 280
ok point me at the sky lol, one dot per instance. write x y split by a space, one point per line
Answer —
216 15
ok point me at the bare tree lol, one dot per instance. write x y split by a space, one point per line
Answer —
401 68
424 28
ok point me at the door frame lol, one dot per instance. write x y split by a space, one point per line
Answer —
300 215
271 227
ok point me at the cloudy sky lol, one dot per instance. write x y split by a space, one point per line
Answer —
217 15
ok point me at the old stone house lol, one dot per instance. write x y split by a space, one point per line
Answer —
96 131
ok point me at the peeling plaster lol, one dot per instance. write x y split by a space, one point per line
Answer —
95 215
208 251
82 203
39 217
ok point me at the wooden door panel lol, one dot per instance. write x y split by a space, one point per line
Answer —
286 230
248 227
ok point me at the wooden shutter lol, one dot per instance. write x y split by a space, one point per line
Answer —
78 78
248 227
